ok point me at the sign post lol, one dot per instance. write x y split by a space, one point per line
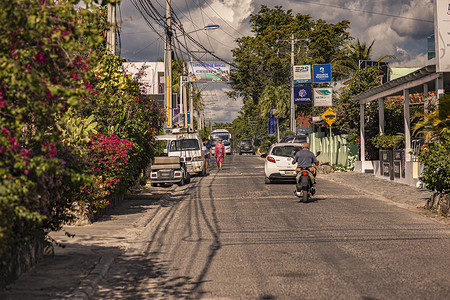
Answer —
329 116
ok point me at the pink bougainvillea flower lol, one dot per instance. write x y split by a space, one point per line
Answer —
52 150
40 58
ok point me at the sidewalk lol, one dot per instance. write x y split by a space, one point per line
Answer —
74 271
399 194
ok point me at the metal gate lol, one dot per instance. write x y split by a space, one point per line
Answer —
392 163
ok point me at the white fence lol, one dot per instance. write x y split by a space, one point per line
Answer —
335 150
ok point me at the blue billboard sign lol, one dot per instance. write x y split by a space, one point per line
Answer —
322 73
303 94
271 125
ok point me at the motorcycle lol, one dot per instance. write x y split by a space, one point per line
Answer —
305 181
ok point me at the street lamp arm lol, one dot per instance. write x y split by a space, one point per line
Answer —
207 27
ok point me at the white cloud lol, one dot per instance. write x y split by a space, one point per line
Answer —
218 106
404 36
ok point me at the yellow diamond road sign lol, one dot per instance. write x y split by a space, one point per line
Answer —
329 116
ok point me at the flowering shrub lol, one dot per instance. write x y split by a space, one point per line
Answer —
108 160
120 109
436 159
389 142
46 51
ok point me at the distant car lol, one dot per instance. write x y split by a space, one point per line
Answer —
246 146
295 139
278 162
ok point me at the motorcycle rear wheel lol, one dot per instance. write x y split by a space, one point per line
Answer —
304 196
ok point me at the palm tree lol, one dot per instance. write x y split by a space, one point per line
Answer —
278 98
360 51
436 124
348 62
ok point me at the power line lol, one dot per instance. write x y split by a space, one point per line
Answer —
148 10
366 11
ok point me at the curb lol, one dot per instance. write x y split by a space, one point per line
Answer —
88 286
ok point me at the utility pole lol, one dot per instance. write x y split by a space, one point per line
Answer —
293 123
168 65
293 119
183 92
191 101
111 34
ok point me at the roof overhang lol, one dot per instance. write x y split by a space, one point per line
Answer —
413 82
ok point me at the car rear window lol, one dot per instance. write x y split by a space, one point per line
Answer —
246 142
286 151
301 139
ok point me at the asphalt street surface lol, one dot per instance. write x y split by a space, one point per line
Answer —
230 236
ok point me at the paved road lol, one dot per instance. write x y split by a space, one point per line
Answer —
230 236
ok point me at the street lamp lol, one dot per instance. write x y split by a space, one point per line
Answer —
207 27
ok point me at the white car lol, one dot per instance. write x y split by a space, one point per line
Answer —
278 162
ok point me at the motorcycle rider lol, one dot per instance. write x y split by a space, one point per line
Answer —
305 159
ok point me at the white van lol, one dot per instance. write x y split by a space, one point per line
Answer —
189 147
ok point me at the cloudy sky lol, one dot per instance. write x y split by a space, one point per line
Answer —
399 27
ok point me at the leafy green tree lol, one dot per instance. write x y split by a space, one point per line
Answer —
348 109
263 60
278 99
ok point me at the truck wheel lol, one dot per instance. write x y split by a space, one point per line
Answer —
188 178
182 182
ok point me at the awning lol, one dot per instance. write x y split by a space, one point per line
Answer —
413 82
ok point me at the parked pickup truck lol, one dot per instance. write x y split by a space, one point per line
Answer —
169 170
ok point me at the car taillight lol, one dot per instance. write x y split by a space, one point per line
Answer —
177 173
304 173
153 174
271 159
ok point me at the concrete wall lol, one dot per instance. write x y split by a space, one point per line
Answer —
413 170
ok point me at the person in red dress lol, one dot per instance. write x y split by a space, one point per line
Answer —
219 153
